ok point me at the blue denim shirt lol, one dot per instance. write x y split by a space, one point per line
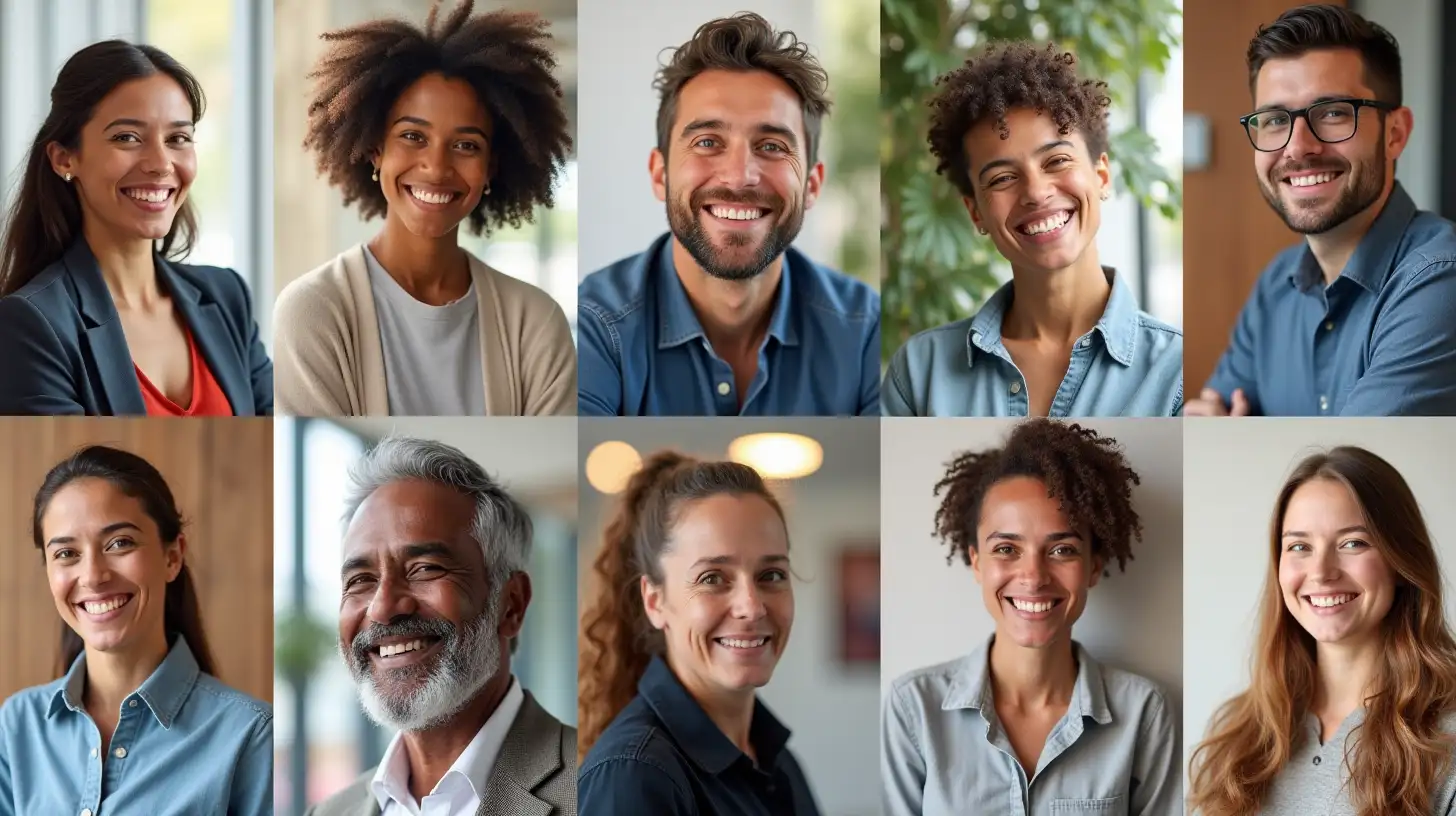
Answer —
1379 341
642 351
1129 364
663 755
185 744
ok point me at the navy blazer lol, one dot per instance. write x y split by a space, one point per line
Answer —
62 349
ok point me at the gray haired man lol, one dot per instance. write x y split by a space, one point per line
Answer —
434 594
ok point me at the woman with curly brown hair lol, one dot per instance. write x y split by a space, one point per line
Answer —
1029 720
461 121
692 610
1024 141
1351 710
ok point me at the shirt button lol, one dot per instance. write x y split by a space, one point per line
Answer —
976 338
1316 760
86 812
132 703
1082 343
119 753
1324 403
1016 388
724 388
93 753
1329 325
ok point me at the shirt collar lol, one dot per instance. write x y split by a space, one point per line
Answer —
470 771
1375 256
1118 324
163 692
971 686
696 735
679 323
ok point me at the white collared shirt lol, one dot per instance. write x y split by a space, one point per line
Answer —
459 791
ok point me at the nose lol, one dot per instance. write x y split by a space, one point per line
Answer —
390 601
1325 566
1302 141
1034 570
748 602
94 571
154 159
1036 189
739 167
434 162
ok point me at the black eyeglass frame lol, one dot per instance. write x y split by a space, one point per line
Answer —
1303 113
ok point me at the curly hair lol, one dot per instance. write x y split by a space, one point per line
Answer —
1085 472
1007 76
745 42
506 58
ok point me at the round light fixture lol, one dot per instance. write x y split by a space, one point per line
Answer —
778 455
610 466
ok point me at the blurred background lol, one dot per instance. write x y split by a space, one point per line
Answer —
312 224
1233 233
937 269
825 688
631 38
322 739
220 472
226 44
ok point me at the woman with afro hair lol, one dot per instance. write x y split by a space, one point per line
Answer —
1024 141
1029 721
458 123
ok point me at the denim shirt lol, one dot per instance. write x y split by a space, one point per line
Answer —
946 753
642 351
185 744
1129 364
662 755
1378 341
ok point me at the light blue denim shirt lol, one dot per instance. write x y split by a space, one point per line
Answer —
946 753
1129 364
185 744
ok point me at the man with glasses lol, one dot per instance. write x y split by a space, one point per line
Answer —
1360 318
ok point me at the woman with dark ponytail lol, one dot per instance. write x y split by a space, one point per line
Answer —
137 717
96 315
692 610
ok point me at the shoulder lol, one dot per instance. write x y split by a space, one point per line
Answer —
1431 239
322 290
929 686
45 294
1164 338
636 746
1134 694
27 708
226 703
934 342
220 283
829 290
515 294
618 289
347 801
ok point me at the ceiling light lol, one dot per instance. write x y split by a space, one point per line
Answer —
778 455
610 466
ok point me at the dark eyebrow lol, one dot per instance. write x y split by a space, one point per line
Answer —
105 531
422 549
719 560
137 123
415 120
1317 100
1342 531
1008 163
702 124
1063 535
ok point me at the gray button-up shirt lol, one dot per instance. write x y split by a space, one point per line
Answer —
945 752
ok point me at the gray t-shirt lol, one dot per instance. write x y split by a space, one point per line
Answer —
432 363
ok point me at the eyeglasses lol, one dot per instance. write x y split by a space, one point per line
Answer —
1330 122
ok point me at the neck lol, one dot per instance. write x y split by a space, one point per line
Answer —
1332 250
432 270
112 675
127 266
1057 306
433 751
1345 674
734 314
731 711
1032 678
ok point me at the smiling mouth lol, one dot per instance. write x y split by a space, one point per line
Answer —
744 643
1303 180
436 197
1048 225
1330 601
389 651
728 212
103 607
1034 607
149 195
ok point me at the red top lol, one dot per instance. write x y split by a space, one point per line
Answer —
207 397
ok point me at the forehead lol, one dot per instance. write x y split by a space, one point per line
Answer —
1028 130
1321 504
89 502
745 527
408 512
739 99
155 99
1298 81
443 101
1021 503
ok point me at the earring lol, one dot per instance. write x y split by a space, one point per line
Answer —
982 230
486 192
1106 195
68 178
376 174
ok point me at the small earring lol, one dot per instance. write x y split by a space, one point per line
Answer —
982 230
1106 195
376 174
68 178
486 192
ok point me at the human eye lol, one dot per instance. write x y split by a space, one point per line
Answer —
63 554
713 578
1003 549
180 138
127 137
774 576
1298 546
1355 544
467 146
707 142
121 543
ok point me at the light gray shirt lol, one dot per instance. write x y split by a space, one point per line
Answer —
1314 781
946 753
432 356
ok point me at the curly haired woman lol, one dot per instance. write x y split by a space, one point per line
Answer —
1351 710
461 121
1024 141
1029 721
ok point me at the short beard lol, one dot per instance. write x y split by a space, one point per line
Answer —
687 227
1362 189
469 657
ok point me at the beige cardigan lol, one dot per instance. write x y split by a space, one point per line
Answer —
328 360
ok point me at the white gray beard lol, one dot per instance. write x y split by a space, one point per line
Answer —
454 682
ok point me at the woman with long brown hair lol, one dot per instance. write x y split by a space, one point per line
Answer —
137 718
1352 704
692 609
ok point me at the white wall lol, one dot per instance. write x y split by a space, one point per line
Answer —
833 712
1415 24
622 45
1234 473
932 612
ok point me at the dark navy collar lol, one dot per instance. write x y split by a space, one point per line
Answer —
1375 257
94 299
696 734
163 692
679 323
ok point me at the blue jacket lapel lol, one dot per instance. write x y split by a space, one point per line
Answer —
209 330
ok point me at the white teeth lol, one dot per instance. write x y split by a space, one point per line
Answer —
1309 181
1032 606
153 196
390 650
1047 224
1326 601
103 607
743 644
734 214
431 198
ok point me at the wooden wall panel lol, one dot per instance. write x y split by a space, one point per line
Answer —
221 472
1229 233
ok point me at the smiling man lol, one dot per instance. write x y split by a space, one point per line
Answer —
434 594
721 316
1360 318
